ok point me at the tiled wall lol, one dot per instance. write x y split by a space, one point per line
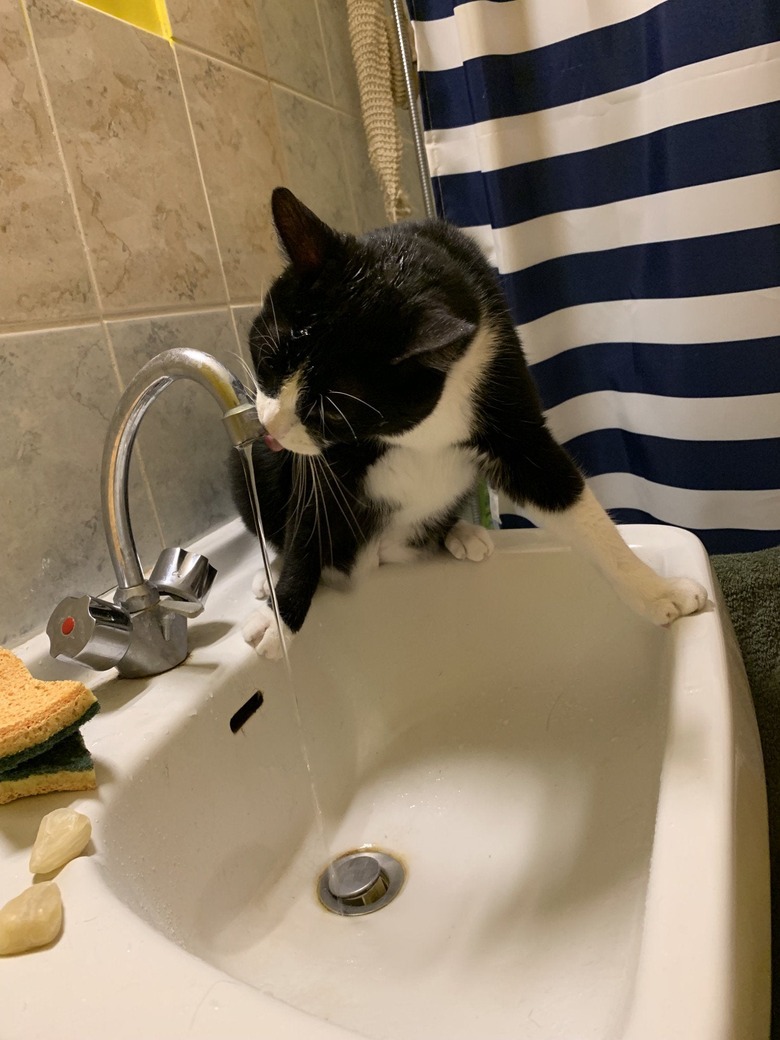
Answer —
134 216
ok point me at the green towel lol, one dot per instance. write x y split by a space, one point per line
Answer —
751 589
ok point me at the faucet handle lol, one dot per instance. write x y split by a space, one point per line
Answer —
185 608
90 631
184 576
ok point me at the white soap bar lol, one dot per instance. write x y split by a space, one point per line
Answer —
32 919
63 834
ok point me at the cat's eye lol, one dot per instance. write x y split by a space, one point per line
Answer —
335 422
319 415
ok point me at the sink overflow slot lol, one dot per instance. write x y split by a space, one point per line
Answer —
246 711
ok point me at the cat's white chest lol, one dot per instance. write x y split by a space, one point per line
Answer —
424 473
418 486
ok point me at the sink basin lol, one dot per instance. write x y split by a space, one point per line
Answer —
576 797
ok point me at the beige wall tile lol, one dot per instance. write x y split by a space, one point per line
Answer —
45 273
364 186
363 182
59 390
293 45
315 157
338 53
182 441
228 29
243 317
242 159
122 121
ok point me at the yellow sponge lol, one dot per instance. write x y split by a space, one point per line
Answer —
40 746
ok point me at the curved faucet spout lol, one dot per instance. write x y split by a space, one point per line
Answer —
140 633
241 421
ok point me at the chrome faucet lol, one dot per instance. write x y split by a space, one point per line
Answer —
144 631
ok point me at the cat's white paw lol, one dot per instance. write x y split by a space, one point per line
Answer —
261 632
469 542
677 597
261 588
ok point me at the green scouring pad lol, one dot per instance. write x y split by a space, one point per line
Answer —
41 748
66 766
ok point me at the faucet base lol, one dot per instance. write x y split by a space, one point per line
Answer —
159 643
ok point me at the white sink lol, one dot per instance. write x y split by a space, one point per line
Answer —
577 798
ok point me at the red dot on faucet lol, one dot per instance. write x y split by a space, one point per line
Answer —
68 625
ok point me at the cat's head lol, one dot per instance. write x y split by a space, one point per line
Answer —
357 336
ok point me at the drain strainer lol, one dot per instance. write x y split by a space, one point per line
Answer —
360 882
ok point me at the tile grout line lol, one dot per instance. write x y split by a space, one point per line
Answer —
204 52
83 238
339 129
117 317
66 173
267 75
346 167
209 210
356 117
325 51
271 80
268 78
279 85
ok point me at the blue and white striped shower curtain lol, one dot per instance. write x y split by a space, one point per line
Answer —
619 162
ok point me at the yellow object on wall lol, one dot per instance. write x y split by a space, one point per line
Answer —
151 15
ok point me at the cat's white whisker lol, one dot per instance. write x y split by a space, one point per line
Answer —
296 496
346 420
341 393
267 340
336 489
273 312
252 386
317 474
304 503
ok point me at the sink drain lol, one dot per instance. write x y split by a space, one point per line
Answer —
360 882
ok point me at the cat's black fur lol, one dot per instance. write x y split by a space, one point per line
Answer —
380 320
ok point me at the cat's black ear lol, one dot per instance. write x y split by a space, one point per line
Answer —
440 339
307 240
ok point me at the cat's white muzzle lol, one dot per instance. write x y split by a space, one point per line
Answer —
284 430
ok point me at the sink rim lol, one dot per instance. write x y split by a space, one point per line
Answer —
187 996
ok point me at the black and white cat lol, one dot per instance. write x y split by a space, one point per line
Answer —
389 378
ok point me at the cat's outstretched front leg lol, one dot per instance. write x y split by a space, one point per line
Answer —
586 527
531 467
